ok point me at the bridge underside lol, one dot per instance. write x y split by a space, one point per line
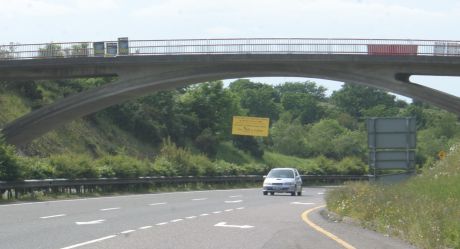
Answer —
141 75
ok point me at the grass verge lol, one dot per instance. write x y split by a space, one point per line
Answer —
423 210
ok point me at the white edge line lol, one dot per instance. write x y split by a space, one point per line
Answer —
199 199
240 208
228 210
176 220
89 242
128 231
129 196
52 216
204 214
191 217
146 227
161 223
217 212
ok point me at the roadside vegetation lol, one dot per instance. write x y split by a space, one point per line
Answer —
187 131
424 210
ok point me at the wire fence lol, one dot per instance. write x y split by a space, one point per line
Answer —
125 47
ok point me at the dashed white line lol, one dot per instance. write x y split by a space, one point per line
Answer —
217 212
228 210
236 201
146 227
128 231
52 216
89 222
240 208
199 199
176 220
235 196
191 217
89 242
321 193
204 214
161 223
158 203
110 209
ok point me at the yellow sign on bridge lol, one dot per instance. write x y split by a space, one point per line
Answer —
250 126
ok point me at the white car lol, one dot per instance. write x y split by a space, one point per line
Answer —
282 180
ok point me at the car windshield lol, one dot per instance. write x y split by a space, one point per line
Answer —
281 173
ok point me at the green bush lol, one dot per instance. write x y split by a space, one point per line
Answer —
36 168
352 166
226 168
72 166
123 166
9 166
163 167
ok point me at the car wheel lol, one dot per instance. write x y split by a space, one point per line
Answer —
293 193
265 192
272 193
299 193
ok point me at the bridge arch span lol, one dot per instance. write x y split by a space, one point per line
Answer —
136 80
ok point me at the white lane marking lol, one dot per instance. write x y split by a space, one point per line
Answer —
109 209
228 210
236 201
302 203
93 222
146 227
204 214
199 199
52 216
128 231
240 208
176 220
224 224
89 242
130 196
161 223
191 217
158 203
235 196
217 212
321 193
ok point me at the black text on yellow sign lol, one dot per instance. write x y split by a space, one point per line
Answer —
250 126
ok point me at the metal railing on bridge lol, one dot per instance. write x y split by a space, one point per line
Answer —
125 47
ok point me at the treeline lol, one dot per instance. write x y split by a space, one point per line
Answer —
188 130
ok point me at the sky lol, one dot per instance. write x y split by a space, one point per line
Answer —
40 21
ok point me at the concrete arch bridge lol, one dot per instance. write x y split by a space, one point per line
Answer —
145 66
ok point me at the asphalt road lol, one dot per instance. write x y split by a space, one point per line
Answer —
221 219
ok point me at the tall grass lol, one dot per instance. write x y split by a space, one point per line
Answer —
424 210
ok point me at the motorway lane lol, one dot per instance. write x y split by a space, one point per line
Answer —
180 220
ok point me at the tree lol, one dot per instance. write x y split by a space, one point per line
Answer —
302 106
355 99
307 87
258 99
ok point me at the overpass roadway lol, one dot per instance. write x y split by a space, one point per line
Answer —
140 74
226 219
